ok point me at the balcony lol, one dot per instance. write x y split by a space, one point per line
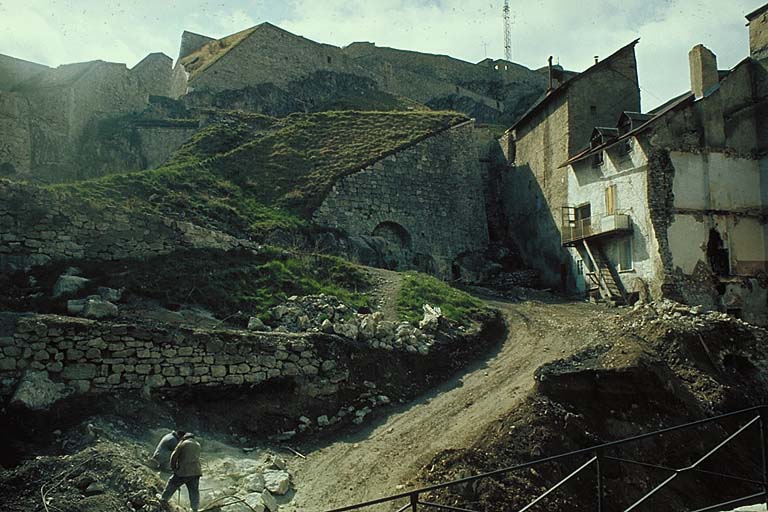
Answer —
590 228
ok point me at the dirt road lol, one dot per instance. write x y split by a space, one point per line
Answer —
381 459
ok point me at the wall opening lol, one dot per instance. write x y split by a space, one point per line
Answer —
393 233
717 254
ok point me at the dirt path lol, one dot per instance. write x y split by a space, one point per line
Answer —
388 284
381 459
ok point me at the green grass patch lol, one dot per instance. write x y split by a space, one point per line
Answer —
419 289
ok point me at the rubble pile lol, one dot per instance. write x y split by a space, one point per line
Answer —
246 485
325 313
673 314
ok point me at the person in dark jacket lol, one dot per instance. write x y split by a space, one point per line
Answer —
185 464
165 447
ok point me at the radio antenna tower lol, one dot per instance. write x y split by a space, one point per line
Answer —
507 32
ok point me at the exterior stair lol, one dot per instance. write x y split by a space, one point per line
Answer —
608 280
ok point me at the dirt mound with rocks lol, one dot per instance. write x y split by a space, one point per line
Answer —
656 365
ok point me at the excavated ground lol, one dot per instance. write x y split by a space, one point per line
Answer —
568 375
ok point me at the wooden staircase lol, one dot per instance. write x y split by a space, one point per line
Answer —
607 279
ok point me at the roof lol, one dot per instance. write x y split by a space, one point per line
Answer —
635 117
549 96
667 107
757 12
606 131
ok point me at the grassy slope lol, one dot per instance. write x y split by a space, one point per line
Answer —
297 163
419 289
260 173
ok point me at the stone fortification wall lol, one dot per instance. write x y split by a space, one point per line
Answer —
74 355
426 200
14 71
43 121
15 134
154 74
37 226
270 55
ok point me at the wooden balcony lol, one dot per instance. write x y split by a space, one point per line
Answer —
574 230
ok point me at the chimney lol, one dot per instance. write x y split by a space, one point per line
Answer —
551 76
597 59
704 74
757 21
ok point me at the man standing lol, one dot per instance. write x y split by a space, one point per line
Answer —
165 447
185 464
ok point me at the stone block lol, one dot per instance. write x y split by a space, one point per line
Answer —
218 371
79 372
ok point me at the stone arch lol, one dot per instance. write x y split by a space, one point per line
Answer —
394 233
396 247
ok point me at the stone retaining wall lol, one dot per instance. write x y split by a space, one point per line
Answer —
36 226
427 200
81 356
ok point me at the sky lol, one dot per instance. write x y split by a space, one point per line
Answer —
55 32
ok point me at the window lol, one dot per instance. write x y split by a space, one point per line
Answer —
610 200
625 147
329 59
597 160
625 254
593 109
579 267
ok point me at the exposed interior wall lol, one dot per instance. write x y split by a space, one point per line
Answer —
427 201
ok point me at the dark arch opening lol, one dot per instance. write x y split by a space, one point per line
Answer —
394 233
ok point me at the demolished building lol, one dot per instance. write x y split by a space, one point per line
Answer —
671 203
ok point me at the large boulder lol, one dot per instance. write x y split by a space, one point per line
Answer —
68 285
99 308
37 392
277 481
432 315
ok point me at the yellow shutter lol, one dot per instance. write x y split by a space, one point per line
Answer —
610 200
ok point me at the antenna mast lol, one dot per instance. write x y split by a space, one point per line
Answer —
507 32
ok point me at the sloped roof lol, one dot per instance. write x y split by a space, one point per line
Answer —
549 96
657 114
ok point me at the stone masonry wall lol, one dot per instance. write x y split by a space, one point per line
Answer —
80 356
433 191
36 226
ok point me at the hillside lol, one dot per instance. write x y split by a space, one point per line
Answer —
249 173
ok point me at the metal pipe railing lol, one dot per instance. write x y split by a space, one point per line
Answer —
596 453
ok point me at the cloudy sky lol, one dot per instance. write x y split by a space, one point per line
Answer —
55 32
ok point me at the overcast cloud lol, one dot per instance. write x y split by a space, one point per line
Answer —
56 32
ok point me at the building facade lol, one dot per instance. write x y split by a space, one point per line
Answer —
673 203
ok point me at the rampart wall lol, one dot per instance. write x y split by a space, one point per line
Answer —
427 198
37 226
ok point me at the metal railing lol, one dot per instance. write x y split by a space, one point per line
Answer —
755 416
573 229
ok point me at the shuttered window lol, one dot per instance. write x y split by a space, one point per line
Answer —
610 200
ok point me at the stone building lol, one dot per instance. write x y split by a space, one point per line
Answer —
673 203
558 125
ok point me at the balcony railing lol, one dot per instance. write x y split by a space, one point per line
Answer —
574 230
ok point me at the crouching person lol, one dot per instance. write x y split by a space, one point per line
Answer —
185 464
